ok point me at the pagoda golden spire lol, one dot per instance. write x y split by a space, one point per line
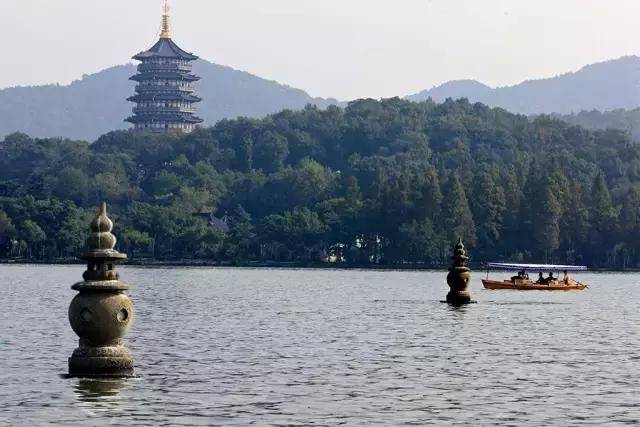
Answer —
166 28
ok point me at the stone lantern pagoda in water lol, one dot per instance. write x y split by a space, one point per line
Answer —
459 277
164 95
101 313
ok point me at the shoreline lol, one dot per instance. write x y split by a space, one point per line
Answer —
228 264
477 267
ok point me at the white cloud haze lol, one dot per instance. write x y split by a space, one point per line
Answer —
340 48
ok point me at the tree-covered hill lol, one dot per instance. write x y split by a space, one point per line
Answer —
97 103
624 120
390 182
602 86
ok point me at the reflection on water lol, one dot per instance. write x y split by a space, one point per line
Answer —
303 347
529 302
100 398
98 390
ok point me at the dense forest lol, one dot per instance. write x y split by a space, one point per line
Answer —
625 120
379 182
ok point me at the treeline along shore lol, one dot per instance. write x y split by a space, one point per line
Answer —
378 183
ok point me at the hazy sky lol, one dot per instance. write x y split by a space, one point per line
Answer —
339 48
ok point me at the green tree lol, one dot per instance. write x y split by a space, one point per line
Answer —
246 154
193 200
353 195
33 235
71 184
629 226
271 152
574 225
6 225
72 230
7 233
165 183
298 234
546 223
457 218
308 183
489 208
432 196
421 241
603 217
241 244
136 243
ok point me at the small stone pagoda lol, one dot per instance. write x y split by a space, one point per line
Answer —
101 313
165 95
459 277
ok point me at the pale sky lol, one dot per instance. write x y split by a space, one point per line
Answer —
331 48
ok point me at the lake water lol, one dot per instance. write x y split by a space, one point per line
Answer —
314 347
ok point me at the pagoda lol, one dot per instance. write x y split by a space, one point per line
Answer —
164 95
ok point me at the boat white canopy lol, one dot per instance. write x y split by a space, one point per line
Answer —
535 267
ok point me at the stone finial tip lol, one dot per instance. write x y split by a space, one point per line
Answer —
459 253
100 237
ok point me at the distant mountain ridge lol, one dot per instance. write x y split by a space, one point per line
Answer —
97 104
601 86
624 120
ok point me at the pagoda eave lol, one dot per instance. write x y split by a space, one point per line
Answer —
142 77
146 55
165 48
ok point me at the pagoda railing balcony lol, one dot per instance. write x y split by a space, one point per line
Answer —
159 89
171 76
146 67
165 88
151 110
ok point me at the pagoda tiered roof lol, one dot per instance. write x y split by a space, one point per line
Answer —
165 48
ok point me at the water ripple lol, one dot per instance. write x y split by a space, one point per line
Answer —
312 347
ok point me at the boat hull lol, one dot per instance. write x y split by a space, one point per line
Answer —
507 284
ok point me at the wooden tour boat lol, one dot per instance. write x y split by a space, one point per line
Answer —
522 282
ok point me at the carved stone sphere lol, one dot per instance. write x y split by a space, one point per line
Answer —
101 319
458 278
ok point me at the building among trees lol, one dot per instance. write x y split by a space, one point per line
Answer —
165 95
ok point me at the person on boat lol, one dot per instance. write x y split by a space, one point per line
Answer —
540 278
550 279
566 279
520 276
